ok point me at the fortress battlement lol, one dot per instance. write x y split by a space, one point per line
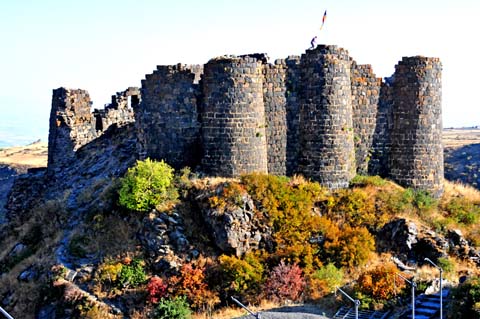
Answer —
320 114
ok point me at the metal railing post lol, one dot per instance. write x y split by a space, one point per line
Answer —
5 313
256 315
413 284
441 285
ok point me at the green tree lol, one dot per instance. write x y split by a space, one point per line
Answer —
176 308
146 185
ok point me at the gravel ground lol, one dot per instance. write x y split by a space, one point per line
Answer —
294 312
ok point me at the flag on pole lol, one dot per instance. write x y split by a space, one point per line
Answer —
323 19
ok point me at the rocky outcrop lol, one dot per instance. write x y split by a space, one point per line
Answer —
234 227
163 239
413 243
461 248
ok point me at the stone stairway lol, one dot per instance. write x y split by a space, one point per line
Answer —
349 313
427 306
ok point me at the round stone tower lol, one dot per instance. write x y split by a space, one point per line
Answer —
233 116
416 158
326 129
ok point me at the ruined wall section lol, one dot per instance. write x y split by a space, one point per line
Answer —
416 158
365 94
326 127
167 118
274 98
233 117
119 111
71 126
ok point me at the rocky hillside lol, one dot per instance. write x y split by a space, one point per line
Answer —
70 250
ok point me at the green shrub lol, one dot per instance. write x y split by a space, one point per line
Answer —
466 300
446 264
242 276
176 308
330 275
462 210
324 281
132 275
423 200
146 185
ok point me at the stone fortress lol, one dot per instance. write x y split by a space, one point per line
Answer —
320 115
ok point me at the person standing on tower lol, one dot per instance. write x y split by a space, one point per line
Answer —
314 40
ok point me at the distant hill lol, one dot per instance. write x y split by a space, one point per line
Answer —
462 155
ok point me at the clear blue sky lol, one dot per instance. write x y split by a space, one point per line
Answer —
104 46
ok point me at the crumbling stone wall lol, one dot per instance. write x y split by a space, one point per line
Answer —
326 127
233 117
416 158
119 111
167 118
71 126
365 94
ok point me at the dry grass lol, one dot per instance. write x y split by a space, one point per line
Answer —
457 189
210 182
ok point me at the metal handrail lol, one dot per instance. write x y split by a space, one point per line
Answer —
356 302
5 313
256 315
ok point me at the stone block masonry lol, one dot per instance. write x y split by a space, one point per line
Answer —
292 83
73 125
416 158
233 117
275 99
365 95
320 115
327 151
167 119
381 142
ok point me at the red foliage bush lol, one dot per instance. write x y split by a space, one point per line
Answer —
156 290
192 284
285 282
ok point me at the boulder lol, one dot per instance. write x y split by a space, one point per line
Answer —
234 227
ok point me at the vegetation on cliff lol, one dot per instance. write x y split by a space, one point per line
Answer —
168 257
